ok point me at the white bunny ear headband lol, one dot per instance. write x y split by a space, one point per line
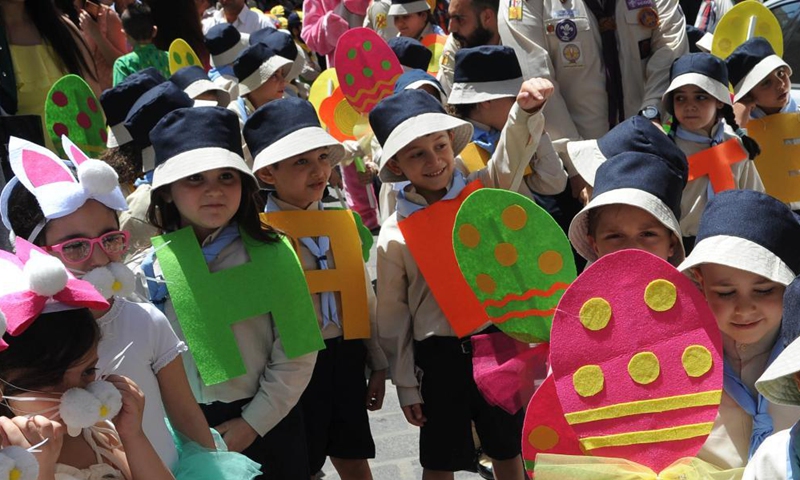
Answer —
50 180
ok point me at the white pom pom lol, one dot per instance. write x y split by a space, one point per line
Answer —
125 279
102 279
97 177
46 275
79 409
109 397
18 463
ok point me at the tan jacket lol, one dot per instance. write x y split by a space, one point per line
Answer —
407 310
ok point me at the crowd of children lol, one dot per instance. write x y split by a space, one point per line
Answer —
196 287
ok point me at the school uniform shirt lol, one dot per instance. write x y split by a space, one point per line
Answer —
376 359
247 22
770 460
273 380
142 56
377 19
728 444
695 194
407 310
134 219
560 40
155 346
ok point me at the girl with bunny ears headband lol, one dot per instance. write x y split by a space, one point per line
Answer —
83 231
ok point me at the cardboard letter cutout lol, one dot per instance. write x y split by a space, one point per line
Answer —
779 162
716 162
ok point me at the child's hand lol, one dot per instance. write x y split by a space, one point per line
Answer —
534 93
335 179
26 432
742 109
414 415
129 419
376 389
369 173
237 433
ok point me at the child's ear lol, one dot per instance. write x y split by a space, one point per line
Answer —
166 195
155 32
266 176
394 167
673 243
593 244
698 277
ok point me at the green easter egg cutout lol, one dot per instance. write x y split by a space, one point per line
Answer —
72 109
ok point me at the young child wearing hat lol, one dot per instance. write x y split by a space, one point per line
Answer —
638 175
262 74
761 79
486 83
778 457
700 103
411 53
202 183
420 144
413 18
224 43
746 254
284 45
195 83
293 154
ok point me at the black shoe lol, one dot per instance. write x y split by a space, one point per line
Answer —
484 466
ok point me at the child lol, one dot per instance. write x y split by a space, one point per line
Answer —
85 235
195 83
224 43
413 18
141 30
777 458
699 100
51 348
334 407
744 257
761 79
411 53
420 143
204 193
283 44
262 78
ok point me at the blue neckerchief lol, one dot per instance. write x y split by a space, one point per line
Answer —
147 179
319 249
217 72
486 139
405 207
242 108
790 107
689 136
756 407
793 455
225 238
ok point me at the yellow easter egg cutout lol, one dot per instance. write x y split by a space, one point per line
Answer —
181 55
746 20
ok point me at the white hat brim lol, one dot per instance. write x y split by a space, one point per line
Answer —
229 56
740 253
758 73
579 227
297 142
196 161
705 42
263 73
712 87
118 135
777 382
409 8
586 157
419 126
465 93
202 86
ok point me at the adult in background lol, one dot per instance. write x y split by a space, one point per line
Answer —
473 23
178 19
324 21
237 14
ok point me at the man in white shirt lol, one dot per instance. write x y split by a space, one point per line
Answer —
236 13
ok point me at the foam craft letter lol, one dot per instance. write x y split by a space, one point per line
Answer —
515 258
347 277
545 430
636 357
321 89
181 55
476 158
71 109
429 237
367 68
716 162
779 162
434 43
209 304
742 22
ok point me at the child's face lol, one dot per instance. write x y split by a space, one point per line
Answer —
772 93
747 306
270 90
411 25
427 162
207 200
620 227
300 180
695 109
92 220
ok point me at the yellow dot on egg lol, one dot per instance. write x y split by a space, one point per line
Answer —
543 438
660 295
15 474
505 254
469 235
116 286
514 217
588 380
485 283
103 411
595 313
644 368
551 262
696 360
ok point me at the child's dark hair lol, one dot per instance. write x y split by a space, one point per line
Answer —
24 214
40 356
138 23
166 217
126 160
461 110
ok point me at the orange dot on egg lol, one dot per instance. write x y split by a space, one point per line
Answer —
485 283
551 262
543 438
469 235
505 254
514 217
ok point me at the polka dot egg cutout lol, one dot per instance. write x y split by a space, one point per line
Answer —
72 109
515 258
367 68
636 361
181 55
